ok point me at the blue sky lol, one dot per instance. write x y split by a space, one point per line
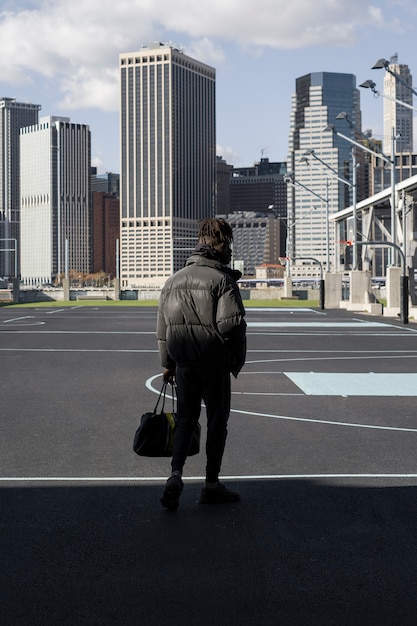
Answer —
64 55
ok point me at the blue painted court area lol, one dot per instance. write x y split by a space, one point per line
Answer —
348 384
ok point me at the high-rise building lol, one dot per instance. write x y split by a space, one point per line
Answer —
256 240
316 191
398 119
108 182
261 189
167 177
13 116
55 199
106 232
223 173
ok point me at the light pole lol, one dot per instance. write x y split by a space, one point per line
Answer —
386 160
369 84
306 258
340 116
383 63
345 116
290 180
311 152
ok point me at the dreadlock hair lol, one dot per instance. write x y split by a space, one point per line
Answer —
213 231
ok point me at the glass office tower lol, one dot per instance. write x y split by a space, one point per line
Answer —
55 199
167 184
317 192
13 116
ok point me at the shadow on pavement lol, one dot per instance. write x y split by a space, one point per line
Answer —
291 552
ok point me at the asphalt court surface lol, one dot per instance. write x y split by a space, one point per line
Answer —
322 446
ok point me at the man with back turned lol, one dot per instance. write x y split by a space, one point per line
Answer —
201 335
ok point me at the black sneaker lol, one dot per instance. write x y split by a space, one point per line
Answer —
218 495
171 496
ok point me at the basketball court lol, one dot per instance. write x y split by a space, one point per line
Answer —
322 447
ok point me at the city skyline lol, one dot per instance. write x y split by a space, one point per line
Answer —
69 60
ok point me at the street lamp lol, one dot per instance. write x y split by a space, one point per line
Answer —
304 158
340 116
383 63
345 116
290 180
386 159
311 152
369 84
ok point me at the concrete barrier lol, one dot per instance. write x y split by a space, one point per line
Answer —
84 296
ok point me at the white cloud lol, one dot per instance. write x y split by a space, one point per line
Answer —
83 90
75 45
207 50
274 23
227 153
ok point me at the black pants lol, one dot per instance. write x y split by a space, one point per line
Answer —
212 385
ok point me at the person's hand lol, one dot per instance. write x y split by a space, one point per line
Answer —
168 374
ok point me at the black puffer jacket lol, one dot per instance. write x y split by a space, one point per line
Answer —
201 315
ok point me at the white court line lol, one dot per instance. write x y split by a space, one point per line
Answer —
389 332
255 334
139 479
18 319
361 357
301 351
249 310
321 324
71 350
265 393
44 309
81 332
149 381
311 420
334 358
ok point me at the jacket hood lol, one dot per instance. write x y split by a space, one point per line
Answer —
202 253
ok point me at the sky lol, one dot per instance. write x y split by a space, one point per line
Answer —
64 55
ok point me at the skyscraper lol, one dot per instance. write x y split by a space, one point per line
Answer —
55 199
106 232
13 116
167 132
396 116
316 192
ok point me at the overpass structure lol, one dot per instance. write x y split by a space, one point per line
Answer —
374 224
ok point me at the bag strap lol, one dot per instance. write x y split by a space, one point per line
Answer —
162 396
174 395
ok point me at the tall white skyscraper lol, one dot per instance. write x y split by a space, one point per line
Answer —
13 116
397 118
55 199
167 173
316 191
